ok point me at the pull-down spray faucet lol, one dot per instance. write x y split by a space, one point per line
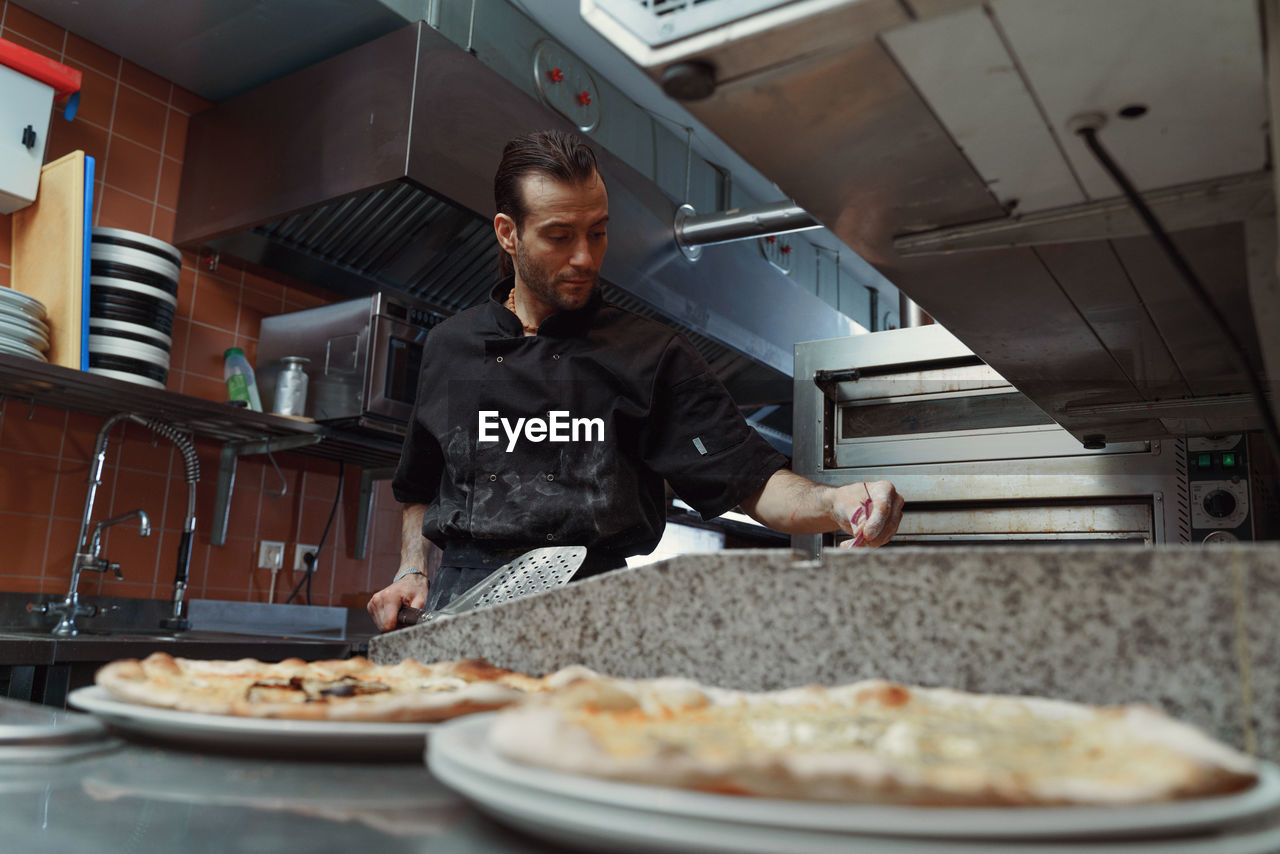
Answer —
89 547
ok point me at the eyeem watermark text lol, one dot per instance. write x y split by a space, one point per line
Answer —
558 426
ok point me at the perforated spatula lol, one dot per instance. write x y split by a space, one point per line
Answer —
534 571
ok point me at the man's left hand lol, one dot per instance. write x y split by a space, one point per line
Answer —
876 525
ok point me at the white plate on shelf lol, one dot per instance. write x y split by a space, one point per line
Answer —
28 334
26 304
127 377
586 811
166 250
115 283
108 327
130 349
314 739
13 314
17 348
139 259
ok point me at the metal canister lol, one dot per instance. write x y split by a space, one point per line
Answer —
291 387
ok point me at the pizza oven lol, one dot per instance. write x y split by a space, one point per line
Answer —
977 461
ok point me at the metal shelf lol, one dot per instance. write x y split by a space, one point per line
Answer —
62 388
241 431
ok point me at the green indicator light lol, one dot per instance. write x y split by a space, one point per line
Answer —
1228 461
1203 461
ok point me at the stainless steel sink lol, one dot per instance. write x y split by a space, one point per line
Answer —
23 633
132 635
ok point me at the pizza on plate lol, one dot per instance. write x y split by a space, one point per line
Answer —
870 742
352 689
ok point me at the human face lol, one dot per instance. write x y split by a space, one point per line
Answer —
561 246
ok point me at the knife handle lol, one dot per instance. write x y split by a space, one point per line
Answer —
408 616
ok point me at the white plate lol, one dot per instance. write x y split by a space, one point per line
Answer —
589 811
168 250
106 327
140 259
17 348
19 300
127 377
19 331
136 287
17 315
315 739
131 349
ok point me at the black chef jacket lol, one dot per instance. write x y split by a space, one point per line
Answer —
612 404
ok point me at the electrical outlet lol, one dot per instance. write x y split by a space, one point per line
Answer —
271 554
300 565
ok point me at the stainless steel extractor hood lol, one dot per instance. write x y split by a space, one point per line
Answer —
374 169
933 137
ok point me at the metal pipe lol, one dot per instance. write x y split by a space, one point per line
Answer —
95 480
742 223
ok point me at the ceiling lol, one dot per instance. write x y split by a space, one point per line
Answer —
934 137
221 48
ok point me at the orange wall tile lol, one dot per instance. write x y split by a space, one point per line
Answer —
134 169
135 124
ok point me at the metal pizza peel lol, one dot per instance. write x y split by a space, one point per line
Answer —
533 572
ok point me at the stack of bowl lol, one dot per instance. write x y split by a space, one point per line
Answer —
133 293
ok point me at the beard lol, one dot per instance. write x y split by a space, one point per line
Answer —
543 284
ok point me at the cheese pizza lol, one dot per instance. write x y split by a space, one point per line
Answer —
872 742
350 689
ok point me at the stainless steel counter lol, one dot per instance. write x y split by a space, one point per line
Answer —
143 798
28 647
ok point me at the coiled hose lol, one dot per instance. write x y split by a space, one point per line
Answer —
191 470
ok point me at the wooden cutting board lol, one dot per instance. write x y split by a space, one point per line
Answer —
49 247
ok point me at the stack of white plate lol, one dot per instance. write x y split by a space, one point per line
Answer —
23 330
133 293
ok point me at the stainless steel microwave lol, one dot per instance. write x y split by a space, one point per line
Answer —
364 358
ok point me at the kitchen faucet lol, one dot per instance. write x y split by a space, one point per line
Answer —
89 548
71 607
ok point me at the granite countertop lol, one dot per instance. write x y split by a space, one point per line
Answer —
1179 627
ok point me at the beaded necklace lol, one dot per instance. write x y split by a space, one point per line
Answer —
511 304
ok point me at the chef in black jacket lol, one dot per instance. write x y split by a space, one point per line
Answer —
548 417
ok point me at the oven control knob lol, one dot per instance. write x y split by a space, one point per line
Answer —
1219 504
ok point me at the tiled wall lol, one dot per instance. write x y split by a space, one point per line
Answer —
134 123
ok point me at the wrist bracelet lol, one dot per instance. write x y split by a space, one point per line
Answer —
404 572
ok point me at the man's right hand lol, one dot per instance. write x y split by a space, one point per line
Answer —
384 606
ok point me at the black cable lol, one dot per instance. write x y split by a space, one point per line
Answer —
1270 429
311 558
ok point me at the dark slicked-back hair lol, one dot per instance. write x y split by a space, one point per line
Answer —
559 155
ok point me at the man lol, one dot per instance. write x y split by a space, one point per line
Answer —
547 417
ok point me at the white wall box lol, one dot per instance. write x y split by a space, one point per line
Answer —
25 107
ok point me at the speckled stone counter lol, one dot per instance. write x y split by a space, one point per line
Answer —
1174 626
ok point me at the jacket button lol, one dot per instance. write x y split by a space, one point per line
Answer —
551 477
499 358
555 356
551 536
493 477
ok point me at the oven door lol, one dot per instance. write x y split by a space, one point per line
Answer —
391 380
